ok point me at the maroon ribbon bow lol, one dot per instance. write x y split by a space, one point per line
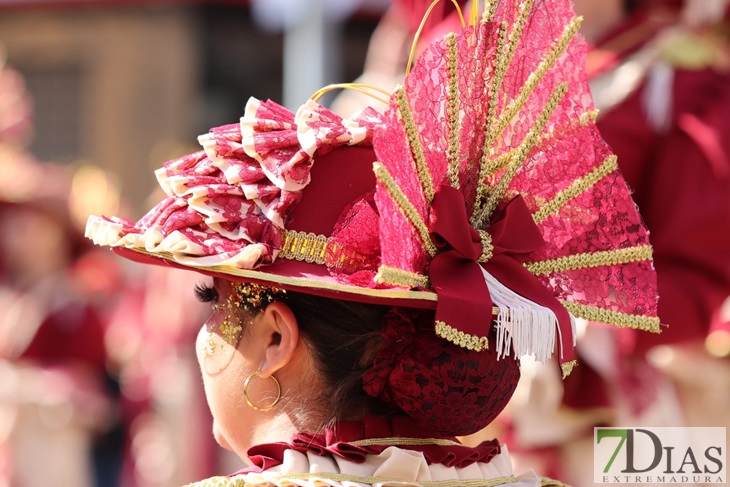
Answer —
464 301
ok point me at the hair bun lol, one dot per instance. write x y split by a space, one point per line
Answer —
446 388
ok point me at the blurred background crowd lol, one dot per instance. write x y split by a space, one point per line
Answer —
98 380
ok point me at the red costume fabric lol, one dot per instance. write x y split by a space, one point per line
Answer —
680 178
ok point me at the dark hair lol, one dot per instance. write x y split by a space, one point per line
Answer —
344 337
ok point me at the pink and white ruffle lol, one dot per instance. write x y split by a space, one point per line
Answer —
228 203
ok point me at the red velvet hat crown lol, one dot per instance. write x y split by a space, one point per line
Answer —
485 191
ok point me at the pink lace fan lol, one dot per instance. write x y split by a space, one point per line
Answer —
495 195
496 189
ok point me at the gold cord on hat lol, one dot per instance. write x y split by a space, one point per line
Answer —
248 399
364 88
472 17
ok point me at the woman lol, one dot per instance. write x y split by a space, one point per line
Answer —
373 278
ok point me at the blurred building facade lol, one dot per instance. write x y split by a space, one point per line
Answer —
127 85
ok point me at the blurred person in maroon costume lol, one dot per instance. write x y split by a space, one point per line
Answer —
660 74
55 402
660 77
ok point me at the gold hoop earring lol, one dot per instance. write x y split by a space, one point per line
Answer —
248 400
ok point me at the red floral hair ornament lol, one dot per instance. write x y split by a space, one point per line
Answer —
484 192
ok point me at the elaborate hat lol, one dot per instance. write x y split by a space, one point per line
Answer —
485 192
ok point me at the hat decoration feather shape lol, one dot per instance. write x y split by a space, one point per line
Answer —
494 195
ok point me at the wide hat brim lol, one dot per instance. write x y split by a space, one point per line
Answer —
338 178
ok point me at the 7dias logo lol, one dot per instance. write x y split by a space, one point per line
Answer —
659 455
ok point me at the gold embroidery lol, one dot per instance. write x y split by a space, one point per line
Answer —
487 247
460 338
567 367
523 151
399 440
414 143
399 277
405 206
591 259
615 318
303 246
578 187
452 154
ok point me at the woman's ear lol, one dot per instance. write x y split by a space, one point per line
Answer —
283 337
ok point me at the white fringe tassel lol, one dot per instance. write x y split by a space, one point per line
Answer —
524 328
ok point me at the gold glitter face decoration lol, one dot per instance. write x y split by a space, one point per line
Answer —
249 296
234 305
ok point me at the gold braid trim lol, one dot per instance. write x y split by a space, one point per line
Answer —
615 318
399 277
307 282
534 79
524 149
500 162
460 338
591 115
338 477
501 63
415 145
591 259
579 186
244 481
490 10
219 482
497 79
405 206
567 368
303 246
515 106
487 246
452 154
548 482
399 440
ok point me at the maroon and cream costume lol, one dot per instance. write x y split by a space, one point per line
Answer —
483 201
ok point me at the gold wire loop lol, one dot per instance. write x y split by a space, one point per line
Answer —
420 28
248 400
364 88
